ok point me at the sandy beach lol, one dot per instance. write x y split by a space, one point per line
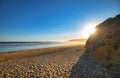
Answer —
54 62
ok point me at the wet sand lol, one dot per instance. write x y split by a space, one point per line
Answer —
54 62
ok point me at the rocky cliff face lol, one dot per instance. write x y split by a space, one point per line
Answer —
104 45
102 57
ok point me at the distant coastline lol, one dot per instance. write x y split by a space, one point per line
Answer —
78 40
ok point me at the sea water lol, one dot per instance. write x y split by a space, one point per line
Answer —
17 46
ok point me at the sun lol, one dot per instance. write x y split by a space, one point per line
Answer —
88 29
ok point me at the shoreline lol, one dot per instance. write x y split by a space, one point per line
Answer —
5 56
20 46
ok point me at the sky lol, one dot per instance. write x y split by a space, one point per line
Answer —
49 20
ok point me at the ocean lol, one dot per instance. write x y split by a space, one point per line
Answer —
18 46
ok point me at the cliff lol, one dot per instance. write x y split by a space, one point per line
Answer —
102 56
104 44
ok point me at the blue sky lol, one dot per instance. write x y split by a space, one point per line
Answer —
46 20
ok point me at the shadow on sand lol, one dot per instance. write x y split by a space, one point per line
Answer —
86 67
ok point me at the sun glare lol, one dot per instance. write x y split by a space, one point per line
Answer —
88 30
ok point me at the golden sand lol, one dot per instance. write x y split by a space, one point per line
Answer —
54 62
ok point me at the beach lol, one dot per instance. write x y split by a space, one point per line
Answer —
53 62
